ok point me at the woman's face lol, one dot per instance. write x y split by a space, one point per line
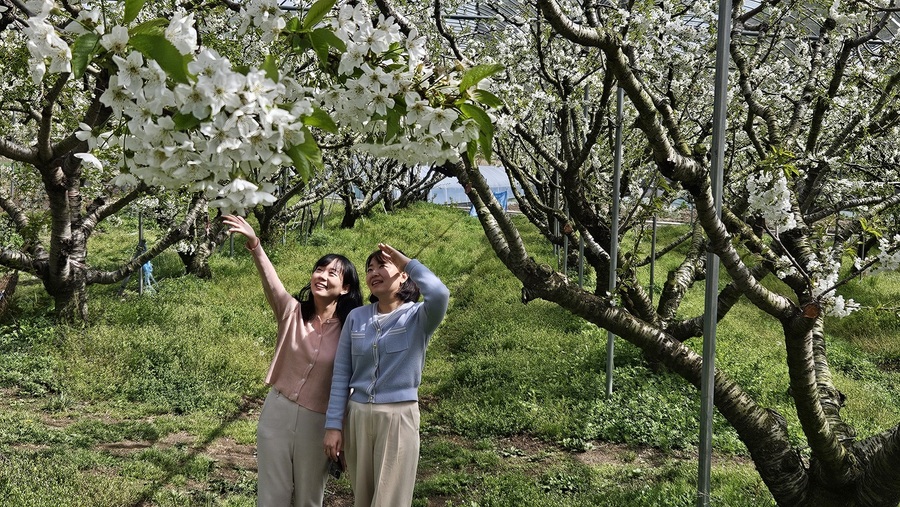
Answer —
328 281
383 278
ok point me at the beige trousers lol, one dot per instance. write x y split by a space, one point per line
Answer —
291 459
381 442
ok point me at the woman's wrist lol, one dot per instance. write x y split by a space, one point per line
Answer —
252 243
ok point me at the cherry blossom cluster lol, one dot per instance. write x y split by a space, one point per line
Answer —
888 254
44 43
245 128
825 276
769 196
382 79
228 131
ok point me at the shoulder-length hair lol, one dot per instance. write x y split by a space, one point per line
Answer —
408 291
346 302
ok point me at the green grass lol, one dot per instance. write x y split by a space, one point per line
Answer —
155 401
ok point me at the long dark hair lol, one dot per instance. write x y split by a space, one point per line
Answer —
346 302
408 291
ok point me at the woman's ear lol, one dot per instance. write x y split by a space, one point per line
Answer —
345 289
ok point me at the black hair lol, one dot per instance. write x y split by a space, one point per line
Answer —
346 302
408 291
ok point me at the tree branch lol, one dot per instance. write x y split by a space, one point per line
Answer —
182 231
388 10
442 30
670 154
878 485
17 152
44 146
99 210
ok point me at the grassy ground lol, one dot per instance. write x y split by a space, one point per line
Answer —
155 402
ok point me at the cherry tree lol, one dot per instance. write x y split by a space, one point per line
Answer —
125 99
812 165
378 181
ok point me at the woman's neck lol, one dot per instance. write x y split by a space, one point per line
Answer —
388 306
325 309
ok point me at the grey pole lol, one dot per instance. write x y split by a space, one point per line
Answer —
581 260
565 253
708 372
587 117
141 242
555 183
614 235
652 257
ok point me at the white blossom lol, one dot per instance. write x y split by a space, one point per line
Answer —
90 159
771 198
116 40
181 32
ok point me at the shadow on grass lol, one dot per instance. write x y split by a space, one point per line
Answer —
174 470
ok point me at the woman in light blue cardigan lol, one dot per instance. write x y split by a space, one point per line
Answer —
377 372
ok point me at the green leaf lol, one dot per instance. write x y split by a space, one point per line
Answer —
293 26
132 9
321 120
300 42
151 27
270 66
484 142
301 163
316 13
329 37
307 157
471 151
82 51
322 40
321 47
485 127
870 228
480 117
185 121
487 98
169 59
477 73
393 124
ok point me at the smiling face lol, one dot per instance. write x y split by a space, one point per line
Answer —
327 281
383 278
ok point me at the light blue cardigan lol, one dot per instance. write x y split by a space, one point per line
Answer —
383 364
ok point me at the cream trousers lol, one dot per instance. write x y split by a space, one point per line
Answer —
292 462
381 442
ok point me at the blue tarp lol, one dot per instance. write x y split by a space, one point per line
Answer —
502 198
449 191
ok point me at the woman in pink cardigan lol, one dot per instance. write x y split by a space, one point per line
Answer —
292 423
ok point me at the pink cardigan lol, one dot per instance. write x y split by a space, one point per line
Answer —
304 353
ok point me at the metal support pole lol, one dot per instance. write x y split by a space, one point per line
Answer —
614 235
652 258
141 243
565 253
581 260
710 317
555 226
